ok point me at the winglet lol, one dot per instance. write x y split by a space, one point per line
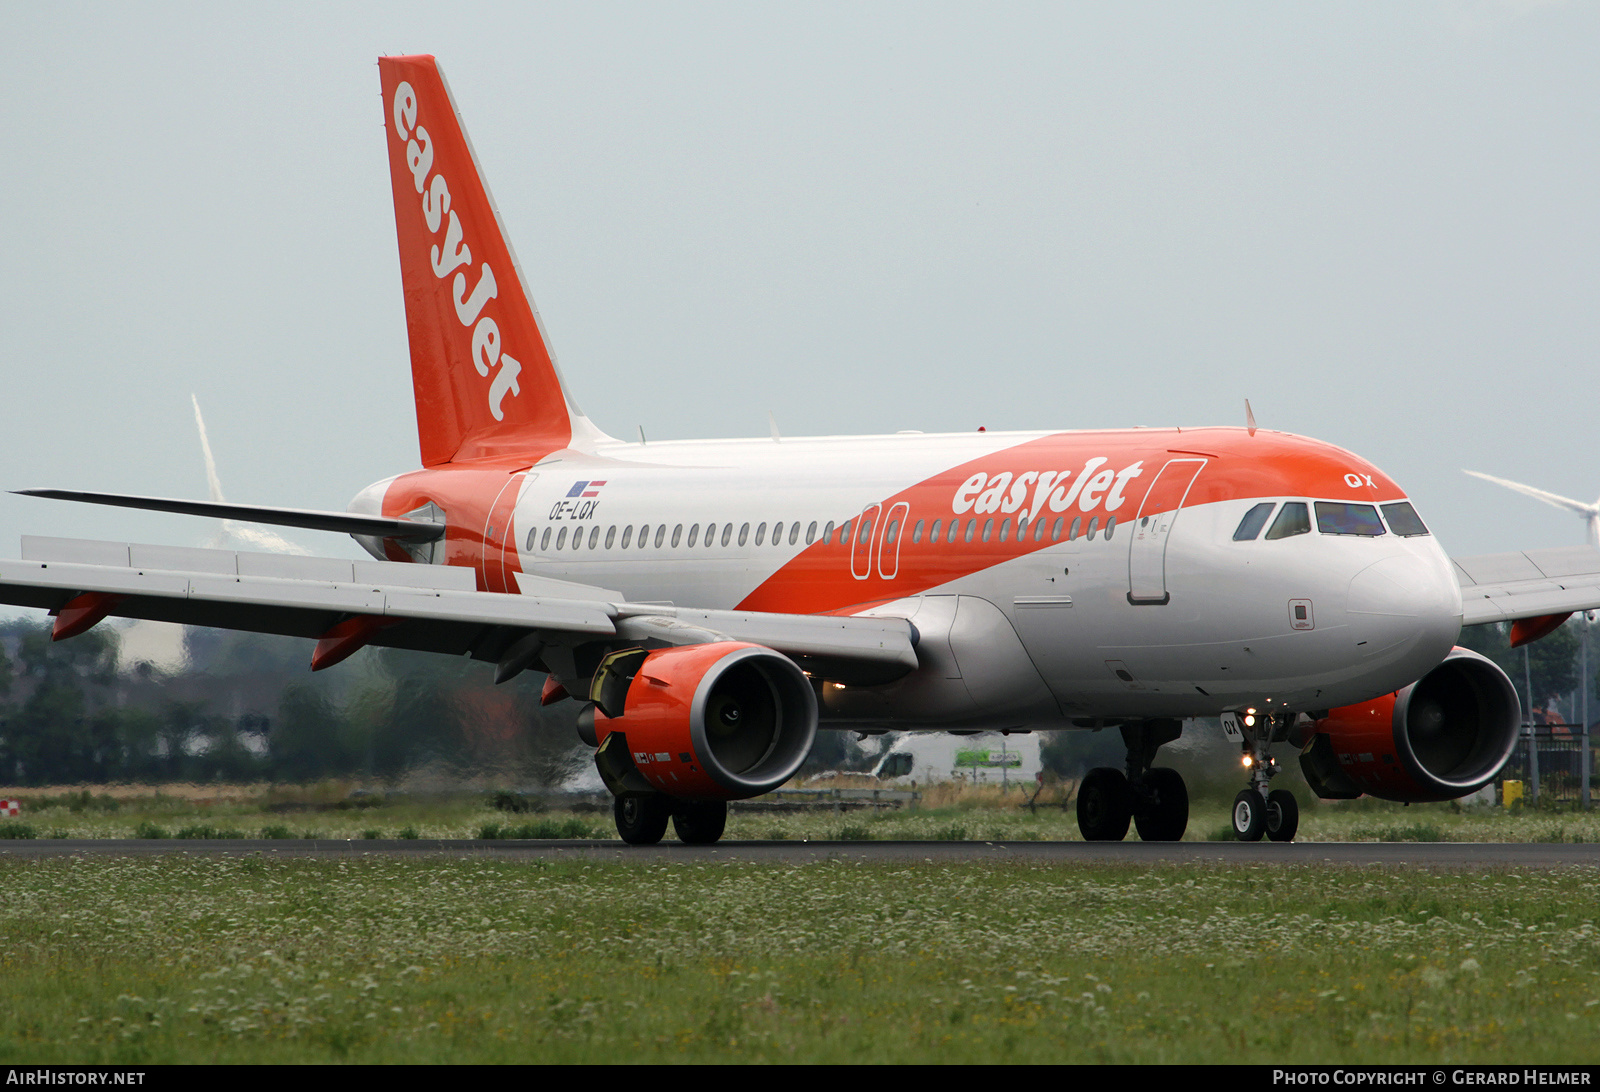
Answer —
485 381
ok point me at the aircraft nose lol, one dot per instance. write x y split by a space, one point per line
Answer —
1404 586
1406 601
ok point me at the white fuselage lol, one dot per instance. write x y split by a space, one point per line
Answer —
1169 616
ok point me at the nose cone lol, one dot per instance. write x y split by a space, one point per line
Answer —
1406 609
1405 586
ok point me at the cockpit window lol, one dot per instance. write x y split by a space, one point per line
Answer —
1253 521
1294 519
1340 518
1403 519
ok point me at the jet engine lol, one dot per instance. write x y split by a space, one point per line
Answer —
1444 736
721 721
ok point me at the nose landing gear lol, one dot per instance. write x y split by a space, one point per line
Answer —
1154 800
1256 810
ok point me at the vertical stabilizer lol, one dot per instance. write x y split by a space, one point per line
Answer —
486 383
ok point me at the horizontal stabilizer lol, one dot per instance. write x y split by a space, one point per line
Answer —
349 523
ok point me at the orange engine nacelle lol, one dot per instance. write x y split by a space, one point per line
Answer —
1444 736
723 721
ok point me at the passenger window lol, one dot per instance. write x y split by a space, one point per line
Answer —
1293 519
794 532
1022 528
1072 535
933 532
811 533
711 534
544 541
1253 521
972 528
627 536
661 533
1038 531
916 532
677 533
761 534
644 535
594 537
891 532
844 533
1342 518
561 539
1055 530
1093 526
1111 525
1005 530
1403 519
777 534
694 533
864 536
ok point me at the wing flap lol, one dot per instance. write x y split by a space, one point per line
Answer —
437 607
1529 584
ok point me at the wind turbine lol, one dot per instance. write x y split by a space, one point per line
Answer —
1589 512
254 536
1591 519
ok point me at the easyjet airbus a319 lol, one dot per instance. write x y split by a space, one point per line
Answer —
715 603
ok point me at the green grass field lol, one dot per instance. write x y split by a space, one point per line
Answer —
378 959
945 814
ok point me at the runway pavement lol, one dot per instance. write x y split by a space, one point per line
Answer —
1449 855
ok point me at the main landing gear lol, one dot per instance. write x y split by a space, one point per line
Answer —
642 819
1154 800
1256 810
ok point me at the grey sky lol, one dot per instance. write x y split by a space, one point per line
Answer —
1378 222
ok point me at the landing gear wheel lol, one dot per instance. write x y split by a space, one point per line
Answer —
1105 805
641 820
700 823
1167 816
1249 816
1283 815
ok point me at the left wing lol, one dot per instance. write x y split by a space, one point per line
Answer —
1529 584
345 605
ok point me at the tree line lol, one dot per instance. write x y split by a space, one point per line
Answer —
244 707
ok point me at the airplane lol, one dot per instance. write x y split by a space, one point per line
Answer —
712 604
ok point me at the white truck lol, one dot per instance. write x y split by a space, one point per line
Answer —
984 758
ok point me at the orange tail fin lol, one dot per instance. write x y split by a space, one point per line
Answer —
485 382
